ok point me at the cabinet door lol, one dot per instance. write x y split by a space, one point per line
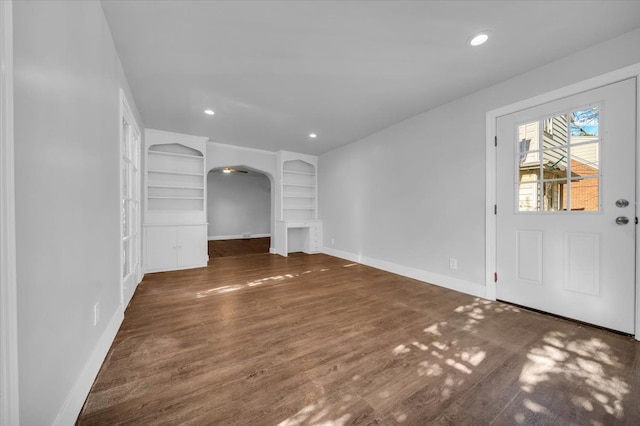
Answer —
192 246
313 241
161 248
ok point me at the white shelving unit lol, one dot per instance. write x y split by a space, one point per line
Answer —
175 195
298 190
298 228
175 178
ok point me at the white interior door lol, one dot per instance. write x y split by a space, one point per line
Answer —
566 183
130 203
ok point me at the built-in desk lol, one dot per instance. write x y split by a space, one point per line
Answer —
295 236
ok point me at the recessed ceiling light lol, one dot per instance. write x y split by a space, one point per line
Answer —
479 39
313 135
209 111
226 170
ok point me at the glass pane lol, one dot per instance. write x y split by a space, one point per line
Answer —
528 197
555 132
554 196
124 180
127 141
123 141
585 124
126 219
554 163
528 145
125 259
585 194
585 160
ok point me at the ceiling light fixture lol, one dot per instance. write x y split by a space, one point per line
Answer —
313 135
479 39
226 170
209 111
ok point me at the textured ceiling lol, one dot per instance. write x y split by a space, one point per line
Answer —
275 71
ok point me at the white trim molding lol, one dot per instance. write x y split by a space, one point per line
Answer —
463 286
631 71
236 237
9 396
72 406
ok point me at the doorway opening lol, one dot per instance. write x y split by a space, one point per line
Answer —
239 202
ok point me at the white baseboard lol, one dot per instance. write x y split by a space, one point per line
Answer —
70 410
236 237
451 283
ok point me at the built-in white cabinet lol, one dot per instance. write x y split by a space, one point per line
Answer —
305 236
175 247
313 238
175 178
298 190
175 201
298 227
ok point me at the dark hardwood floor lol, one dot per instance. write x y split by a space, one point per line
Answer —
238 247
313 339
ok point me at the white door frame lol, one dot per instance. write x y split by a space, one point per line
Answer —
9 403
632 71
127 114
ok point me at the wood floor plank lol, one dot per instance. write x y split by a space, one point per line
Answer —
238 247
313 339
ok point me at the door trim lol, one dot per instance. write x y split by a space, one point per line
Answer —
632 71
126 113
9 395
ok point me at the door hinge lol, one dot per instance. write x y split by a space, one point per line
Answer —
495 141
495 277
495 209
636 220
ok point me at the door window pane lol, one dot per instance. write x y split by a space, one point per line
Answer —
555 132
585 123
554 163
585 194
528 197
585 160
553 196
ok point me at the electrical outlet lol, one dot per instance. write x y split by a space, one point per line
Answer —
96 313
453 263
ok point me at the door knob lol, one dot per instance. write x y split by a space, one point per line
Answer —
622 220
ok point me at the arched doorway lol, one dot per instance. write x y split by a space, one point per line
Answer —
239 206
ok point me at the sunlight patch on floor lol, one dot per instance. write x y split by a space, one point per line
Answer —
585 364
315 414
254 283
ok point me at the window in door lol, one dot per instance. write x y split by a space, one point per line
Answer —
558 162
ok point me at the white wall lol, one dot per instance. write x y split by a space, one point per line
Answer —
237 204
413 195
67 81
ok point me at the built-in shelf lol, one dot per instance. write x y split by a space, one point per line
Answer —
173 172
174 154
175 198
298 188
175 178
296 172
299 184
175 186
175 231
292 195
